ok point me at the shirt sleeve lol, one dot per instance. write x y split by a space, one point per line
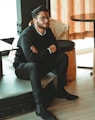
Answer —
49 50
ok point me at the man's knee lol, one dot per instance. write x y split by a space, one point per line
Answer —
32 66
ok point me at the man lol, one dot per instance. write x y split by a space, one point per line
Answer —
39 54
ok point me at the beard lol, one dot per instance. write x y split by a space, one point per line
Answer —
43 26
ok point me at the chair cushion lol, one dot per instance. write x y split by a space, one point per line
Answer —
59 29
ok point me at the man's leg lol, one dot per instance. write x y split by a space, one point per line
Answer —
30 71
61 70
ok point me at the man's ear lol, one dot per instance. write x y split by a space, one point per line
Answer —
34 20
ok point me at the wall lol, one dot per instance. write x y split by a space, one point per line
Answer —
7 18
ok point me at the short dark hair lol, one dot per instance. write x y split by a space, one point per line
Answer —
36 11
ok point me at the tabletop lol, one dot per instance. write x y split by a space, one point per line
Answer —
4 46
90 17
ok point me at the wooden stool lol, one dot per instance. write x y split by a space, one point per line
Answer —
68 47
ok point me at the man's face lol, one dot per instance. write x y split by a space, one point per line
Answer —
42 20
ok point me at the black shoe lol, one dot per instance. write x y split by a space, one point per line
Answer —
66 95
44 114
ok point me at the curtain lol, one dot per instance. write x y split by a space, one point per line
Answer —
61 10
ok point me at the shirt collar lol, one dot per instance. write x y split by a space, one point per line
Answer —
42 34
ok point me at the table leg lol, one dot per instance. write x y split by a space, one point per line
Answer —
1 71
92 73
94 53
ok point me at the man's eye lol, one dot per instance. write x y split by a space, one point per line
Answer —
44 18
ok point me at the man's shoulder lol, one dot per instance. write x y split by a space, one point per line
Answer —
27 30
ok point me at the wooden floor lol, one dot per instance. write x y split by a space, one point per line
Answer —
84 107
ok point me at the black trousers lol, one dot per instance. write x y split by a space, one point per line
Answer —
33 72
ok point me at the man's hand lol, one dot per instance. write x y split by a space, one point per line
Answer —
34 49
52 48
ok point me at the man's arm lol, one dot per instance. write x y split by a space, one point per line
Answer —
34 55
31 53
52 49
